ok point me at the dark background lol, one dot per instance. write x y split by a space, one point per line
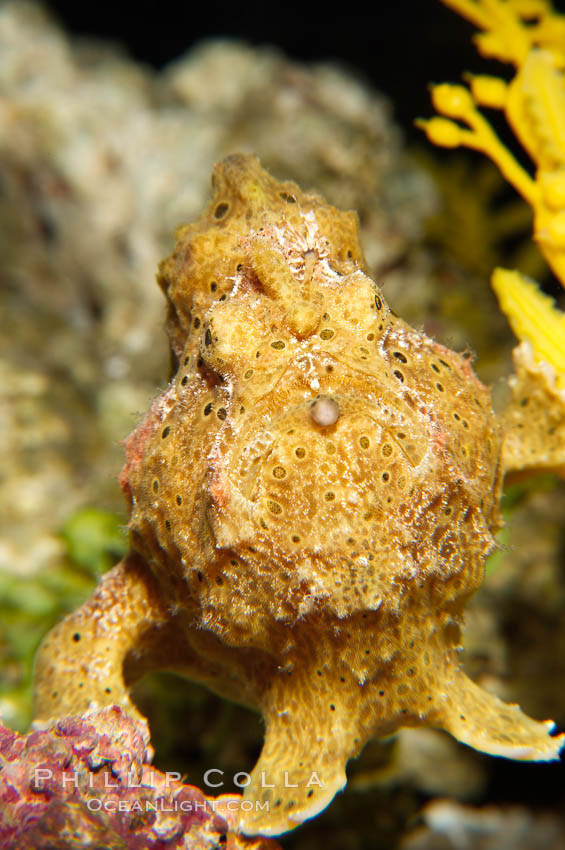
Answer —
397 46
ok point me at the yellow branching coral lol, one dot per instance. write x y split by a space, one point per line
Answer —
533 317
511 28
531 36
533 103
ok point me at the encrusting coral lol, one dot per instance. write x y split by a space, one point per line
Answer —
87 782
312 500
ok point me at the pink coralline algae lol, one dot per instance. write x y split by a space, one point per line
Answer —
86 781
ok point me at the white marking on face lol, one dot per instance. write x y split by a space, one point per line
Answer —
325 411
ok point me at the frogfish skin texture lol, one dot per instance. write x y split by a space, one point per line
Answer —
311 500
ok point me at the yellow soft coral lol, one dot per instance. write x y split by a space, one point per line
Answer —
533 317
531 36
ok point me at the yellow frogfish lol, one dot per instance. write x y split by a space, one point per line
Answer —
311 503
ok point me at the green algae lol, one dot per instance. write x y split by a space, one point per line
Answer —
31 605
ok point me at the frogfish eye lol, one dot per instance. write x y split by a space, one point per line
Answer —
325 411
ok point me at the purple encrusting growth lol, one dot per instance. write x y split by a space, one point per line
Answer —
87 781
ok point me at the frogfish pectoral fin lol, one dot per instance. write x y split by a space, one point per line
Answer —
302 764
283 794
488 724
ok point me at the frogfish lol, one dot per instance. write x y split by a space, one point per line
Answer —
311 503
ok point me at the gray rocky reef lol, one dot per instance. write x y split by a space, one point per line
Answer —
100 160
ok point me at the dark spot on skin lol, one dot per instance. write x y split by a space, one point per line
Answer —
208 337
213 286
166 432
168 525
200 576
378 303
107 690
76 637
310 792
208 409
290 199
398 375
400 356
197 323
332 707
184 381
179 500
222 413
221 210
